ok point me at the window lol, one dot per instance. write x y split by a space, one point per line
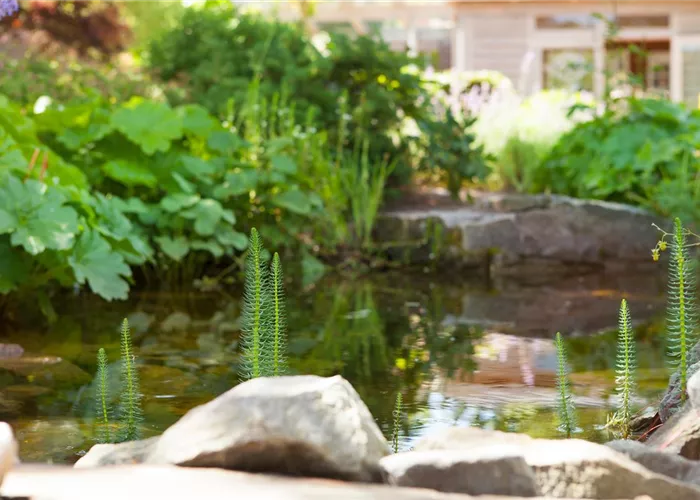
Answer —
586 21
566 21
570 69
643 21
658 71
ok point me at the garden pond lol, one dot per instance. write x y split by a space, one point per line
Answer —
460 352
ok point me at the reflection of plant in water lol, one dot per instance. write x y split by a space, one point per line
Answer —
353 336
565 403
435 344
398 417
512 416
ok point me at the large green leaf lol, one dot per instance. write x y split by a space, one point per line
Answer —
237 183
284 164
196 120
35 216
152 125
208 246
178 201
198 167
130 173
294 201
175 248
14 270
225 143
206 214
93 261
230 237
111 221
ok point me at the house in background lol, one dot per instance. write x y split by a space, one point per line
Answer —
536 43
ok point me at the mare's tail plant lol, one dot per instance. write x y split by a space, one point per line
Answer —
279 324
130 413
254 303
397 414
625 379
681 329
566 410
102 399
264 315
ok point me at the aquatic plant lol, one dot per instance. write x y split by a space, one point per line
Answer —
626 368
566 411
130 412
102 399
279 323
264 314
254 303
397 413
681 326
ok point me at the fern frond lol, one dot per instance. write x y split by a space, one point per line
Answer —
681 310
626 366
102 399
397 414
566 410
279 318
254 303
130 412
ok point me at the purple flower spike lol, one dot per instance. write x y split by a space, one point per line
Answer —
8 7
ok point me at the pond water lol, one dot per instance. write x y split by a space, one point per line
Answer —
461 353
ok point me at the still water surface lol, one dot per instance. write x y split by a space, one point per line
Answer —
461 353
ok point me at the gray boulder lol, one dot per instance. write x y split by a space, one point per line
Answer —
522 236
574 468
671 401
467 438
181 483
668 464
489 471
680 434
302 426
132 452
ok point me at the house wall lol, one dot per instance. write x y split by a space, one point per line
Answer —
499 42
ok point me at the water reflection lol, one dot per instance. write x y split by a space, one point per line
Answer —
460 354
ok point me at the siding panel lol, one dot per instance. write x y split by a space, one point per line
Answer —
500 43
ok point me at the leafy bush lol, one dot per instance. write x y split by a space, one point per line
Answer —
217 51
519 134
143 184
642 151
64 79
450 150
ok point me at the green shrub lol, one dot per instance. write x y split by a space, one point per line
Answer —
448 148
642 151
64 79
520 133
145 185
217 51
